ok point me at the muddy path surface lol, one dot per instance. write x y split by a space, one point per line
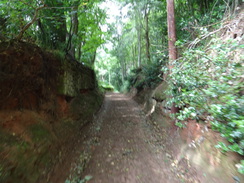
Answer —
126 148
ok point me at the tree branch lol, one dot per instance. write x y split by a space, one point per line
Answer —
197 40
20 35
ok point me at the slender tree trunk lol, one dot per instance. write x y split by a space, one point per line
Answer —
75 24
171 32
79 51
125 68
93 58
147 11
139 45
109 77
172 40
122 73
134 56
138 29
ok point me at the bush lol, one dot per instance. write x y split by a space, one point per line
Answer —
209 81
148 76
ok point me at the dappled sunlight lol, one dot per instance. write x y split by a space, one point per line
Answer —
116 97
130 115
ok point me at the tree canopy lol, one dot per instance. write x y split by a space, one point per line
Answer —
72 26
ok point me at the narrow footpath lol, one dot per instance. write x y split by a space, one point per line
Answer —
124 151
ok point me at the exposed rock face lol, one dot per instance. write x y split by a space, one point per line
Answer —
30 77
151 99
76 79
45 100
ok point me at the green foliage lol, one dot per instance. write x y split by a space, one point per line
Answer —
241 167
15 15
77 180
128 37
53 22
180 124
211 84
91 35
107 87
147 76
193 16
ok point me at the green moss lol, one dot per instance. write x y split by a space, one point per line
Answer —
84 106
38 132
60 55
7 138
159 94
24 163
60 87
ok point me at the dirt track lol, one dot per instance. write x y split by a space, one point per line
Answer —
124 152
121 145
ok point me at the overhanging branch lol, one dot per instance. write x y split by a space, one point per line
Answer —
20 35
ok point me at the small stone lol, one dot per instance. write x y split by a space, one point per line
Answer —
236 179
168 155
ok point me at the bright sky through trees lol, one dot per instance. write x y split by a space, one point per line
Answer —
114 12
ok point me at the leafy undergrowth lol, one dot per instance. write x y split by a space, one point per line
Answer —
207 84
194 144
147 76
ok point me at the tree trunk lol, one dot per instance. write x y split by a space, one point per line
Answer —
172 40
79 51
74 31
138 30
139 45
147 11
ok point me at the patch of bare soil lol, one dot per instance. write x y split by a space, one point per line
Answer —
128 149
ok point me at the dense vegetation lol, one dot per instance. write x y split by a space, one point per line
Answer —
206 82
71 27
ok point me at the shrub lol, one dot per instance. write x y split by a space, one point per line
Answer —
209 81
148 76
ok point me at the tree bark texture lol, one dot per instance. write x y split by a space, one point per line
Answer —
139 45
147 11
172 40
171 32
74 31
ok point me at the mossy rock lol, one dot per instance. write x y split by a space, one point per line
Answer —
159 92
84 106
39 133
74 78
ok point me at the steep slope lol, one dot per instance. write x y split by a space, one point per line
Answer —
45 99
197 141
